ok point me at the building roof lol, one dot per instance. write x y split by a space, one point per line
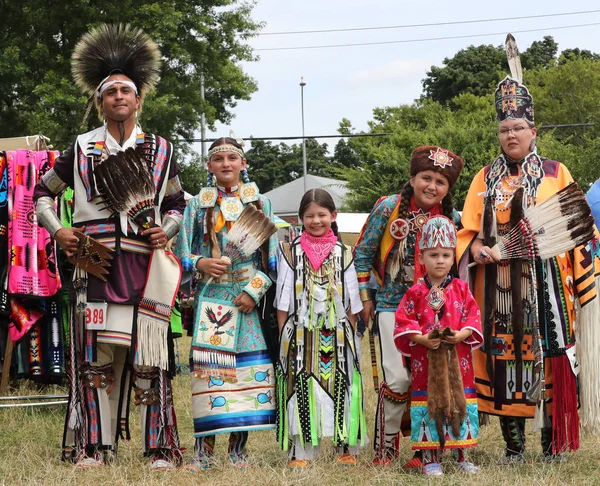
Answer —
286 198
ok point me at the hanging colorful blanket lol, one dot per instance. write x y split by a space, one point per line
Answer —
32 267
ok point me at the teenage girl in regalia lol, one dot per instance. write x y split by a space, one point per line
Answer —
233 389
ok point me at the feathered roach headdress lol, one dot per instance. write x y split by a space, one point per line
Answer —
115 49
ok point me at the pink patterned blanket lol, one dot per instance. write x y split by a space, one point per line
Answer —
32 261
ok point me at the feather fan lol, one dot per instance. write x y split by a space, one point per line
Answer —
125 183
247 234
550 228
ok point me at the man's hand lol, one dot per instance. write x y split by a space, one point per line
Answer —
67 239
368 313
244 302
215 267
156 236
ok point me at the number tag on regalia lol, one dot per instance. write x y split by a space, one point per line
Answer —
95 316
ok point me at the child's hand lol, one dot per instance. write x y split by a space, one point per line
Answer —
457 336
215 267
244 302
431 343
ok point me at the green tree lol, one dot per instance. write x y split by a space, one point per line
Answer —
567 93
475 70
478 69
469 131
540 54
272 166
37 94
192 175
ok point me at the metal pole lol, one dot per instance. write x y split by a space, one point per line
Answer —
202 121
302 84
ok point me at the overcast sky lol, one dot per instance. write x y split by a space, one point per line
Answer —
348 82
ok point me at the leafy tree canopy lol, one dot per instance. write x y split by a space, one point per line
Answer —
564 92
478 69
37 92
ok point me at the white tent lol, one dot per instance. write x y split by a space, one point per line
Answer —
286 199
350 225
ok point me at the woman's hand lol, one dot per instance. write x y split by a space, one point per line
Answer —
425 341
481 253
368 313
244 302
215 267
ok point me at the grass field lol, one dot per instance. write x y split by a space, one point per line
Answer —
30 446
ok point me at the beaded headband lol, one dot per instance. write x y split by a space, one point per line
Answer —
225 148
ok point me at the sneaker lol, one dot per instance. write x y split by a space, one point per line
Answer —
295 463
433 469
347 460
197 465
555 458
86 462
160 462
511 460
239 461
467 467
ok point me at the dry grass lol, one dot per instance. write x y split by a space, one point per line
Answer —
30 441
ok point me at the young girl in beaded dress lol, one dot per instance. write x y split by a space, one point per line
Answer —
319 385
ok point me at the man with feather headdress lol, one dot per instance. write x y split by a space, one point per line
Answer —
120 334
527 367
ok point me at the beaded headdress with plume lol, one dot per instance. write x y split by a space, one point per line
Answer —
512 98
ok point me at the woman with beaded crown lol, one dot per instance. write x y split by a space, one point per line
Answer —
388 247
233 386
525 367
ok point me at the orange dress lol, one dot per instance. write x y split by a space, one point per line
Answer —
563 279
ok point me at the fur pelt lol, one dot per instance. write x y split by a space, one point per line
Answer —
490 284
516 271
446 399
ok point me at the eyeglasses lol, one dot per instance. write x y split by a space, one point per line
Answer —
503 132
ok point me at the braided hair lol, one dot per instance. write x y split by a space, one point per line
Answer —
321 198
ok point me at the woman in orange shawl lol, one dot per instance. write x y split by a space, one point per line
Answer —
528 309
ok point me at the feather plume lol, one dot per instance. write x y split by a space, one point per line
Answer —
514 60
247 234
125 183
115 48
550 228
250 230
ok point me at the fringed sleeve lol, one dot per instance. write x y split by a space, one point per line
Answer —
273 240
